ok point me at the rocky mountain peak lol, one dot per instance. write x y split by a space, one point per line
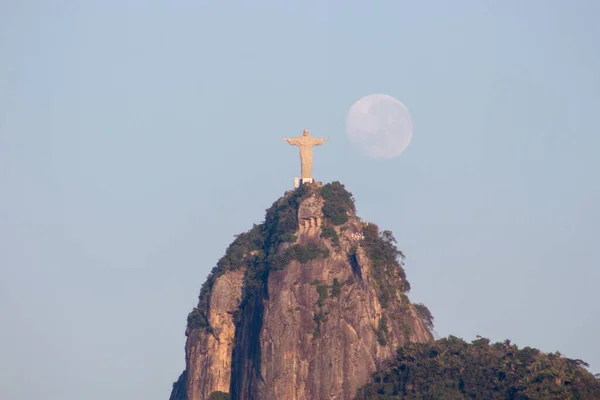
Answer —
306 305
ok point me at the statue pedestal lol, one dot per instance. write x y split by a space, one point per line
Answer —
298 181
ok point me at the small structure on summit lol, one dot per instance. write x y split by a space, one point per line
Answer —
306 143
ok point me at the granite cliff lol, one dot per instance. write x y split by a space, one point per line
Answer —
307 305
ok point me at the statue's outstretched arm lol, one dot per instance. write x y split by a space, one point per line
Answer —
293 142
319 141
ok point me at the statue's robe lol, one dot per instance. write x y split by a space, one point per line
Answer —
306 144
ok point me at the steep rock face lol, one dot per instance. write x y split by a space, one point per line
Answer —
208 352
310 351
314 311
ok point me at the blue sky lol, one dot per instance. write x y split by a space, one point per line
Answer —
137 137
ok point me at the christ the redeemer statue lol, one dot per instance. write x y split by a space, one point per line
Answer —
306 143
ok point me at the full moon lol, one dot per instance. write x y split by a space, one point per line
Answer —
379 126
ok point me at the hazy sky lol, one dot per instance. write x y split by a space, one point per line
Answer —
137 137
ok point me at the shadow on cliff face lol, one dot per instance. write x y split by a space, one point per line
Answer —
179 391
246 356
353 261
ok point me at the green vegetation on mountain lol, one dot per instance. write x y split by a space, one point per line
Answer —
382 331
336 288
384 255
451 368
298 252
329 232
218 395
338 202
424 313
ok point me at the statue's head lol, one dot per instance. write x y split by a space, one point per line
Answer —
305 133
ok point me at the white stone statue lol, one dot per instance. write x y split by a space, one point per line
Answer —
306 143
